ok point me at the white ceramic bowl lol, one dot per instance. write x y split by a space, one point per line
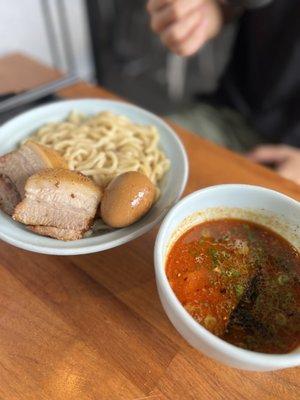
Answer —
270 208
172 186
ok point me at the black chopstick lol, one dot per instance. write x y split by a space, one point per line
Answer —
37 93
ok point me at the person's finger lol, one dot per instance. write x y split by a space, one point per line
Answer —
178 6
270 153
155 5
287 172
193 42
180 30
176 11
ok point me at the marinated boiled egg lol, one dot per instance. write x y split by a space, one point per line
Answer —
126 199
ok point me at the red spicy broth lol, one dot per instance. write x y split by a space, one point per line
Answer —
241 281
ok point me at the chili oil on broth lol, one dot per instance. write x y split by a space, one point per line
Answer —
241 281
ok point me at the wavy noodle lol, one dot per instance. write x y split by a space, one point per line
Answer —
105 145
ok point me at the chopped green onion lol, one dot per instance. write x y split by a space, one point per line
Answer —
214 256
250 234
239 290
209 322
282 279
280 319
232 273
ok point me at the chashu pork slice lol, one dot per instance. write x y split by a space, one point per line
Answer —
16 167
59 199
9 196
57 233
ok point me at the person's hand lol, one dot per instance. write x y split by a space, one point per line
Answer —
184 26
285 158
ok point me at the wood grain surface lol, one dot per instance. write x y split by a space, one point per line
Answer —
18 73
92 327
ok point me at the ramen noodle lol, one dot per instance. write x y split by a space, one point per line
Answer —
105 145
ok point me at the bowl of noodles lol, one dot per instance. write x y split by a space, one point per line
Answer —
102 139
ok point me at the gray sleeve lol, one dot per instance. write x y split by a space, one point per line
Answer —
249 3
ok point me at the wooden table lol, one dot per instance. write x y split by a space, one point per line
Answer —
92 327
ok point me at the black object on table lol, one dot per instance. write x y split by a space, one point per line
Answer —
7 115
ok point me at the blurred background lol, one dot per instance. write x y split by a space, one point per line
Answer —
110 42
